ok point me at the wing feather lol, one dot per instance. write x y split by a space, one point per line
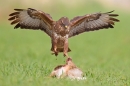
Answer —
31 19
91 22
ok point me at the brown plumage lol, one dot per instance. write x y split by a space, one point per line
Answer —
59 31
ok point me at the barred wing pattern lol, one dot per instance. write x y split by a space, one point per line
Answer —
31 19
91 22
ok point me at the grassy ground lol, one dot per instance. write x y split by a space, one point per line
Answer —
104 56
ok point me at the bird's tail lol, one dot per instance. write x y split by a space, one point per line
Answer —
62 49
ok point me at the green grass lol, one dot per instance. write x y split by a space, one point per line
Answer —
104 56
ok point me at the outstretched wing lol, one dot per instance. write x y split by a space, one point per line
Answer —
91 22
31 19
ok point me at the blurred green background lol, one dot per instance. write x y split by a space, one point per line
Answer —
103 55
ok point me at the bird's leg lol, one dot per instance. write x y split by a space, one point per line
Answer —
55 50
65 54
54 47
66 48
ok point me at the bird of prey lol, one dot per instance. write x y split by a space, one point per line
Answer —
59 31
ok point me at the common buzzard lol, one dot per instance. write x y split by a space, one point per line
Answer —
59 31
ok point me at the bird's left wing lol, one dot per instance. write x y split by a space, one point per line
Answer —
31 19
91 22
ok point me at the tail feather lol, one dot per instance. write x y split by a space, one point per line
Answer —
62 49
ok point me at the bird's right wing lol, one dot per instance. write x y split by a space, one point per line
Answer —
32 19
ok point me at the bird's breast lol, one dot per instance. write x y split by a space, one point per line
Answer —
60 40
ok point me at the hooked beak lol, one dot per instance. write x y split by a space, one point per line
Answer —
66 26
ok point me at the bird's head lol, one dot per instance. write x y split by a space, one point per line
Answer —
65 23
